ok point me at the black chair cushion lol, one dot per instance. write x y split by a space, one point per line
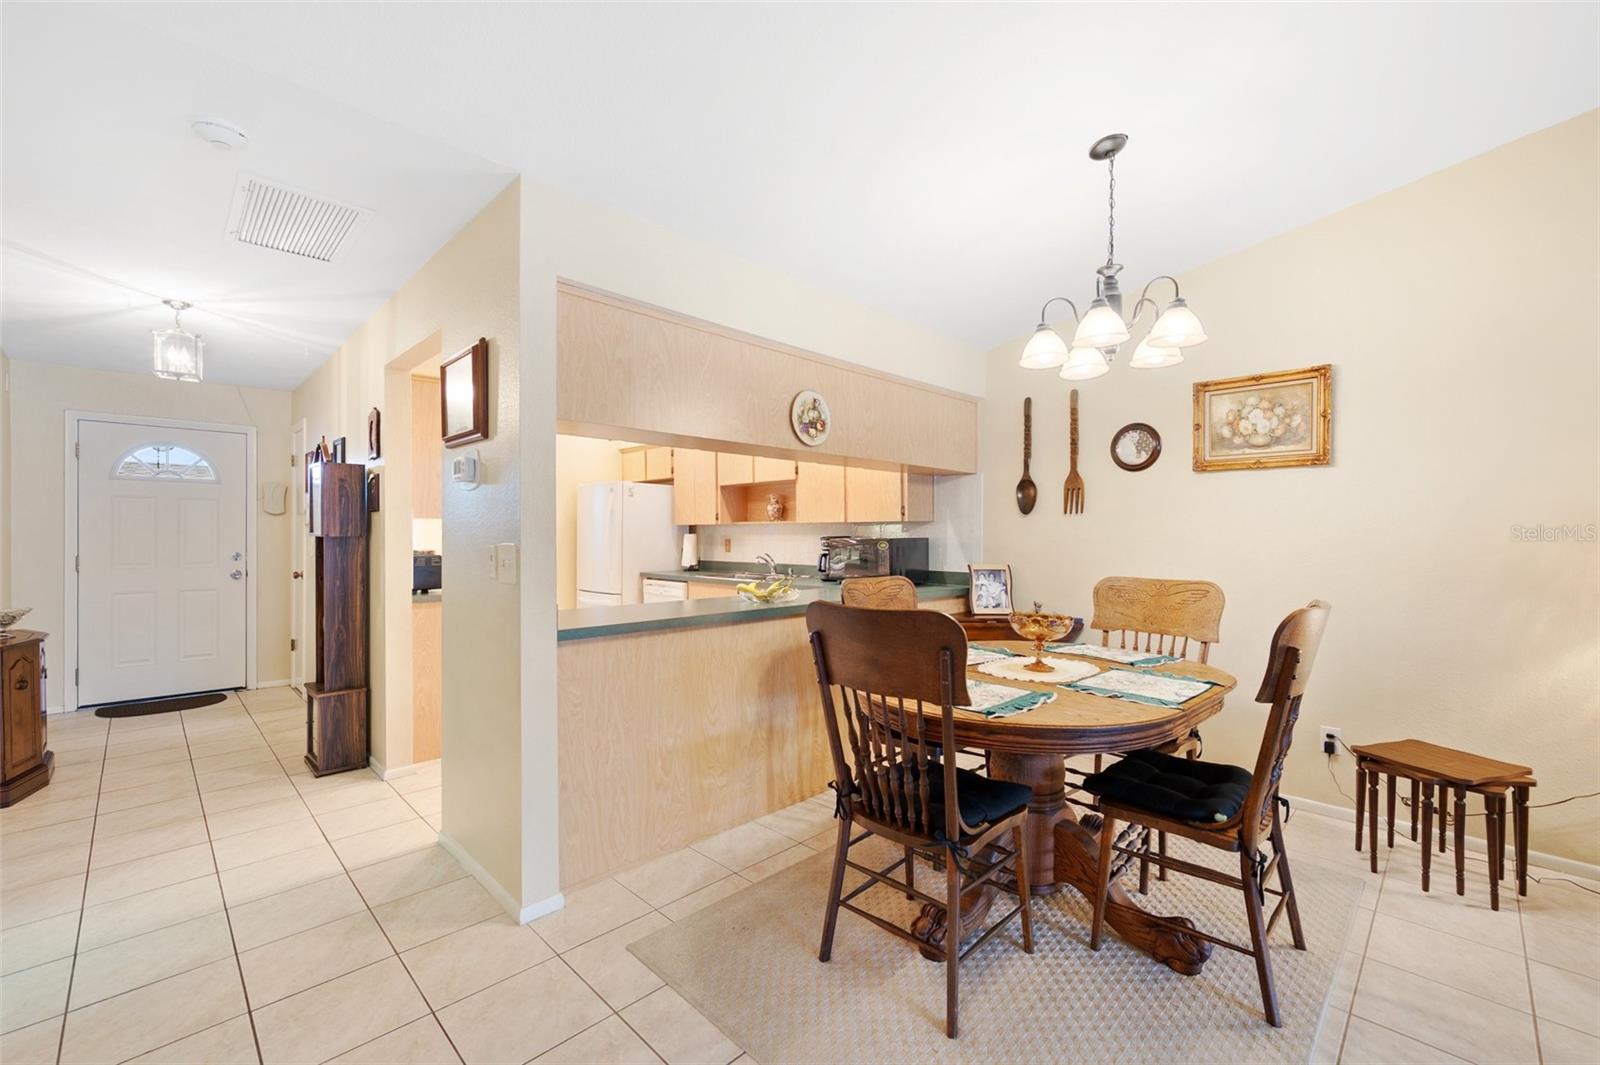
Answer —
980 799
1176 788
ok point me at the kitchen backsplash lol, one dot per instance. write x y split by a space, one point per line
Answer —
955 536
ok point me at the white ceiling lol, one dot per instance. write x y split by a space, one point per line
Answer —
111 204
929 160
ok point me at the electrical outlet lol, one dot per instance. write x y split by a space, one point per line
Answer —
727 545
1331 738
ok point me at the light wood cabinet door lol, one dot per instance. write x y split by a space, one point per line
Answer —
871 495
773 469
735 469
427 450
694 487
658 464
916 494
633 464
819 493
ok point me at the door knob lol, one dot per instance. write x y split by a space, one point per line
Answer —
237 574
297 575
238 556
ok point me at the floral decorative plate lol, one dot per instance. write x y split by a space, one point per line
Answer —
810 418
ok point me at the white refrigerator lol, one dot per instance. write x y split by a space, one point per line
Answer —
624 529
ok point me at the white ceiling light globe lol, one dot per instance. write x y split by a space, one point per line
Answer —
1044 350
1178 327
1148 356
1101 327
1083 364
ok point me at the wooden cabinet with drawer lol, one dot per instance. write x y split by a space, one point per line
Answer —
27 759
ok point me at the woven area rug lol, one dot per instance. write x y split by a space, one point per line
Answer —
749 963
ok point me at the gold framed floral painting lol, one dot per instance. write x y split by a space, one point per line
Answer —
1264 420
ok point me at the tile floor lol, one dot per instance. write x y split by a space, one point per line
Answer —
185 891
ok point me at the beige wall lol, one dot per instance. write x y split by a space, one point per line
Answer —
467 290
42 393
579 460
5 481
1459 314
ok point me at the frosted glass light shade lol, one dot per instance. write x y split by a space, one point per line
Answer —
1177 327
1045 349
179 356
1148 356
1101 327
1083 364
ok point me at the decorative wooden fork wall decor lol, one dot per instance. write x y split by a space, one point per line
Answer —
1072 490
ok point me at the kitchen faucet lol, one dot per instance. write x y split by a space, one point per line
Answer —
772 567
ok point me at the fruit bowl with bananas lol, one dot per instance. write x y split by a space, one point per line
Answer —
769 592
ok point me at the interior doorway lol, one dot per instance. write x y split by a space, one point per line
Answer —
301 580
162 536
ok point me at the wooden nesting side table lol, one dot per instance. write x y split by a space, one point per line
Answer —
1429 766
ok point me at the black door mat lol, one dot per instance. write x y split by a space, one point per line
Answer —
159 706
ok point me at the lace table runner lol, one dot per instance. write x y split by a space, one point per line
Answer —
1001 700
1152 689
1063 671
1110 654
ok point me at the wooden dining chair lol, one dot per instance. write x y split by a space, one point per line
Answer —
1222 806
1162 617
1159 616
887 667
879 593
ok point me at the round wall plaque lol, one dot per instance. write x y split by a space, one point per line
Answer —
1135 446
809 417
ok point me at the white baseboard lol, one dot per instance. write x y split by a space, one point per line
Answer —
56 709
399 770
1474 844
523 914
284 683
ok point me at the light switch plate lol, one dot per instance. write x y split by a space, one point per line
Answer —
506 563
494 562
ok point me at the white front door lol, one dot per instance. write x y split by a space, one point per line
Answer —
300 553
162 603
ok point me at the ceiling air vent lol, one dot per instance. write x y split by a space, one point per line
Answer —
280 218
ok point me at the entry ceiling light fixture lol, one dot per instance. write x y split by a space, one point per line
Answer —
1101 329
179 355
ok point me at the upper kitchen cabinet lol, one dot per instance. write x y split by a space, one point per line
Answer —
887 495
652 465
694 487
735 469
658 465
774 469
819 493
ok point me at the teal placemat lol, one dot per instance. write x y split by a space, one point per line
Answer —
1151 689
1000 700
1111 654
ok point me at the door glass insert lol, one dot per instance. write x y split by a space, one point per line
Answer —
163 462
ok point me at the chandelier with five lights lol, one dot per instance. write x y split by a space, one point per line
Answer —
1101 330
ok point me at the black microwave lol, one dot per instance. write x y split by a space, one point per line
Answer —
426 571
871 556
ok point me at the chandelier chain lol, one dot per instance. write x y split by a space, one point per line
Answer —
1111 212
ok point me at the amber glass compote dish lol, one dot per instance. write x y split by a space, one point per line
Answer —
1041 628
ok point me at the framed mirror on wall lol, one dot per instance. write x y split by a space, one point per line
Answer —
464 395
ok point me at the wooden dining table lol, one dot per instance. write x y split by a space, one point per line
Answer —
1063 847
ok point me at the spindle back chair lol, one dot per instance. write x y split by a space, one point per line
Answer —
888 667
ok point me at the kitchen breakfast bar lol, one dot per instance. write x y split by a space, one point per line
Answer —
682 719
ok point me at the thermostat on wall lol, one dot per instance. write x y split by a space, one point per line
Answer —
464 469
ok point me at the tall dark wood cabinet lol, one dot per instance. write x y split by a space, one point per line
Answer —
338 726
27 762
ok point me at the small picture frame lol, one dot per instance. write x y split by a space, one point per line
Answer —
374 436
989 590
464 395
338 449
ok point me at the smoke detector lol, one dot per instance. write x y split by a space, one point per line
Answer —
223 136
268 215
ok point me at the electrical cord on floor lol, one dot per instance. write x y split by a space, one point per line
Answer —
1447 818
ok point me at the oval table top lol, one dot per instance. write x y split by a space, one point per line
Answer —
1080 723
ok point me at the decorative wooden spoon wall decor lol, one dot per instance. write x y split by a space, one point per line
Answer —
1027 491
1072 491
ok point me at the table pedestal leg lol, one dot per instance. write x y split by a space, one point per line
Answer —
1046 775
1077 862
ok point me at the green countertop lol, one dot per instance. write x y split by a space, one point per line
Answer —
595 621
